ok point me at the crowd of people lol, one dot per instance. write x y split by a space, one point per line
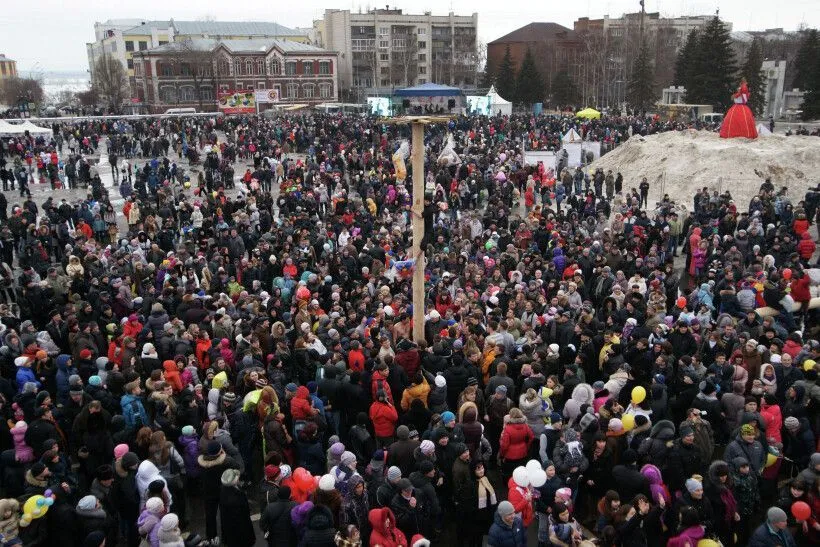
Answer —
239 339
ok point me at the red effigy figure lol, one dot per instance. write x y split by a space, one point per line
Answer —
739 120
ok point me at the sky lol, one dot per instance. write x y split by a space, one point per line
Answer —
51 34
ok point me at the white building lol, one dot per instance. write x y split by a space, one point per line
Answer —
386 48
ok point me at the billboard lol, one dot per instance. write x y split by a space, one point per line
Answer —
379 106
237 102
478 104
265 96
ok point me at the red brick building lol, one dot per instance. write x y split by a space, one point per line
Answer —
193 73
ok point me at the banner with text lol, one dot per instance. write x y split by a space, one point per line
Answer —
266 96
237 102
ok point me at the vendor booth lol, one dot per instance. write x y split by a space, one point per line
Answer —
498 104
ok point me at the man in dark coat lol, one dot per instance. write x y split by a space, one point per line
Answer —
235 512
400 453
276 523
684 459
214 462
629 480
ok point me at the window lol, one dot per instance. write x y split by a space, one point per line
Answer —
275 67
422 45
168 95
223 67
163 42
260 66
422 57
324 67
422 70
237 68
384 31
129 46
137 69
290 68
185 69
293 91
385 82
206 94
186 94
325 91
129 62
422 81
167 69
143 46
421 31
261 85
384 56
307 91
385 70
248 66
307 68
384 44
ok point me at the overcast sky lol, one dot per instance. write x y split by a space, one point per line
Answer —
51 34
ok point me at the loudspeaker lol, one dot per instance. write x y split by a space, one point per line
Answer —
451 103
406 103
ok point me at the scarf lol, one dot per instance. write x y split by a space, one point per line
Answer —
729 504
484 489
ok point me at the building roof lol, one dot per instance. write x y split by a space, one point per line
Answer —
4 58
145 27
536 32
258 45
234 28
428 90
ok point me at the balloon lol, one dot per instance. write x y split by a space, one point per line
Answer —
787 273
533 466
35 507
520 476
808 364
302 478
538 479
502 156
49 502
628 421
25 520
48 493
186 184
638 395
681 302
801 510
708 543
771 459
303 293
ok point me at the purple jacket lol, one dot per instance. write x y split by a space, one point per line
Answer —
190 453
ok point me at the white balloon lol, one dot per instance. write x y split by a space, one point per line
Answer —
533 466
520 476
538 479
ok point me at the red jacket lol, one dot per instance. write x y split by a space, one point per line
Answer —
518 497
300 408
355 360
806 247
800 292
515 441
384 417
172 375
410 361
381 534
800 226
378 381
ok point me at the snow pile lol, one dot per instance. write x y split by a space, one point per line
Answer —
680 163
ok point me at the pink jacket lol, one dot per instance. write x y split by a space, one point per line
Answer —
22 452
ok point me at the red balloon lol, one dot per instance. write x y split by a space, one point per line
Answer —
303 478
801 510
681 302
303 293
787 273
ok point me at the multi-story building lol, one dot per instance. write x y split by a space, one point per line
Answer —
555 48
610 46
195 72
387 48
121 38
8 67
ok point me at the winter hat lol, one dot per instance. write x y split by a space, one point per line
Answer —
587 419
41 397
348 458
693 485
337 449
501 390
425 466
213 448
87 503
458 345
154 505
230 477
85 354
447 417
616 425
188 430
130 460
505 508
229 397
327 483
404 484
95 381
169 522
393 474
629 456
291 387
555 418
419 541
272 471
427 447
686 430
105 472
94 539
775 515
403 432
791 423
749 429
37 469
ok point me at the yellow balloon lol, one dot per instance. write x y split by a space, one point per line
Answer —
628 420
638 395
708 543
32 508
771 459
808 364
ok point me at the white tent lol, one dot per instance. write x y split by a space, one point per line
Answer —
498 104
763 131
35 130
571 136
10 130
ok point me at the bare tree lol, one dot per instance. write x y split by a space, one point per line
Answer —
110 82
478 60
13 90
198 62
404 60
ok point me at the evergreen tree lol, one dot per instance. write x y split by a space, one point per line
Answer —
712 79
686 59
811 100
505 77
564 91
753 72
488 78
529 84
641 82
805 61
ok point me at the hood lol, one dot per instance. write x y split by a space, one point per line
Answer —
652 473
302 393
714 468
62 361
320 518
377 518
583 394
170 366
663 430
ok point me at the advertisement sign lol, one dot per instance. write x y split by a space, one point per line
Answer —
265 96
237 102
379 106
478 104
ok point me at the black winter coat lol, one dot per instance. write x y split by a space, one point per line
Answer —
235 514
277 523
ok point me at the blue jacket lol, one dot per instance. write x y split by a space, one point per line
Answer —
63 373
504 535
765 536
133 411
25 374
